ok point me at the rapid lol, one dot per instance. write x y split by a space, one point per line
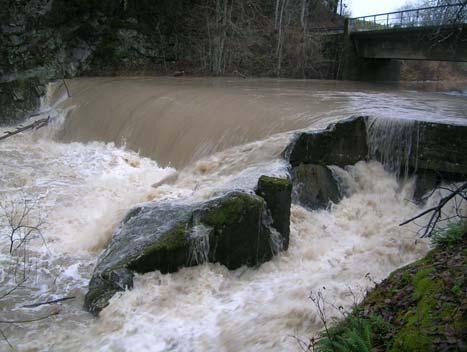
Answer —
117 142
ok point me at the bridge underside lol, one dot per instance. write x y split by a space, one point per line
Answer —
445 43
376 55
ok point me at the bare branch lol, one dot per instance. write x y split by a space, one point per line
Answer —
29 320
436 211
6 340
32 126
34 305
12 289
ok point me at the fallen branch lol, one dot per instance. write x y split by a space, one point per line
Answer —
6 340
437 210
48 302
28 320
34 126
3 295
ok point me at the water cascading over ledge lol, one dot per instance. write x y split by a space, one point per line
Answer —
243 228
433 152
235 229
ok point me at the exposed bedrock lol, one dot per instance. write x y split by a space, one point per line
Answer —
432 151
19 98
236 229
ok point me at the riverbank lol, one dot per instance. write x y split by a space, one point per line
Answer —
420 307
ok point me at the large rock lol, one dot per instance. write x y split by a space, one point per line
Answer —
233 230
434 152
277 194
343 143
314 186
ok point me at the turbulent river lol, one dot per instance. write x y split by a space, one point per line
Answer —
118 142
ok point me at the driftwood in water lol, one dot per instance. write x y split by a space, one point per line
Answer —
32 126
48 302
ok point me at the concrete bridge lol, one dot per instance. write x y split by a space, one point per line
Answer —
375 43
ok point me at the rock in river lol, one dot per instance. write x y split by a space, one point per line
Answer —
235 229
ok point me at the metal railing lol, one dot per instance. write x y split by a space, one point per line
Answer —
424 17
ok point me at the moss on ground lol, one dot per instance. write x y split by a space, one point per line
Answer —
423 306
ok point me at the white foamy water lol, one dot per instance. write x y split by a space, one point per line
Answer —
82 190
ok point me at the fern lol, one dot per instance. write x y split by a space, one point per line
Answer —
354 335
450 236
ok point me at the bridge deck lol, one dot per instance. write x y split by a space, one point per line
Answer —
434 16
432 33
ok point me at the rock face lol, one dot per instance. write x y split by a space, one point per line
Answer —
48 40
19 98
233 230
57 39
314 186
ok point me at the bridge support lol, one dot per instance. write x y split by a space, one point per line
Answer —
357 68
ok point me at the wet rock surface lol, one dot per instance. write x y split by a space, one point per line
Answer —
342 143
434 152
235 230
277 194
50 40
314 186
441 148
20 98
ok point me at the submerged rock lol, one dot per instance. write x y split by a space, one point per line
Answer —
314 186
233 230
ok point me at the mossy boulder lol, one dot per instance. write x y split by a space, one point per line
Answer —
234 230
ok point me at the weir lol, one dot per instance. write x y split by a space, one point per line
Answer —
87 179
394 143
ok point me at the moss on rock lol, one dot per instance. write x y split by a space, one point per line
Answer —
233 230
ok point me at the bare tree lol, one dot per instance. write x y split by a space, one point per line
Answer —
21 222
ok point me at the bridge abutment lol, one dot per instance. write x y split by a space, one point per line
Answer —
357 68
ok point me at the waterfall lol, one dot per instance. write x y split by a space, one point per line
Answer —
394 142
199 242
